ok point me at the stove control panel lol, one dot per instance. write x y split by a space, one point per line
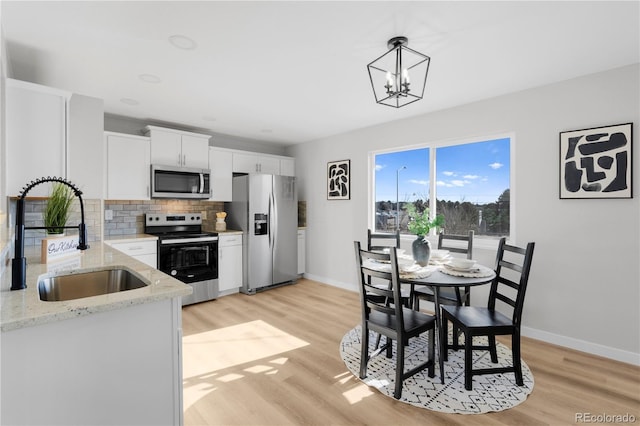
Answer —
164 219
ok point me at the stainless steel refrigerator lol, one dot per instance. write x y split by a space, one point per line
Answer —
265 208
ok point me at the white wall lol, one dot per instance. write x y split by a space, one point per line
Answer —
584 288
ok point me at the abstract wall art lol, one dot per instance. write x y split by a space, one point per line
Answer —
339 180
596 162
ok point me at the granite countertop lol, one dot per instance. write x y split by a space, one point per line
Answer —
230 232
23 308
128 238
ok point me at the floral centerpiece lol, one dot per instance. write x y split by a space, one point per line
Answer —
420 224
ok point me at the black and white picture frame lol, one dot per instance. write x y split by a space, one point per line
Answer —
596 162
339 180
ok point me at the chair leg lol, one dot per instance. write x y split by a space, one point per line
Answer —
515 354
468 358
492 349
416 302
389 344
399 369
444 338
364 351
432 352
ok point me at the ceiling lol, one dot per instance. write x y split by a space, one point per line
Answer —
293 72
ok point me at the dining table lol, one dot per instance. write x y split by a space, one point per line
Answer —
436 276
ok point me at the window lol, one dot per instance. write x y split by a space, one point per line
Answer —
468 183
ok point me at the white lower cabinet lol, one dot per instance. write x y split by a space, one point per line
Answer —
302 258
229 263
116 367
144 251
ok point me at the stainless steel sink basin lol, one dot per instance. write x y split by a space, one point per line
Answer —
86 284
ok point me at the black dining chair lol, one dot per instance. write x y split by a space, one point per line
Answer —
390 317
460 244
512 274
382 241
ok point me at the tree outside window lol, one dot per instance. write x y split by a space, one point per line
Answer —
472 187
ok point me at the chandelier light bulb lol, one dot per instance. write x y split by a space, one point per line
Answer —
389 80
405 76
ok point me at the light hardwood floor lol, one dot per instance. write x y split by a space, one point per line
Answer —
273 359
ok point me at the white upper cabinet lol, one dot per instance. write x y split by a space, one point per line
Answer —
171 147
35 135
50 132
221 164
128 167
287 166
250 162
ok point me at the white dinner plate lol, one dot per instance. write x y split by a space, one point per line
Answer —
474 268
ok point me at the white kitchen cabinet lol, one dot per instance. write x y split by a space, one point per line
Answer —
302 256
249 162
35 135
128 166
51 132
287 166
143 250
229 263
117 367
171 147
221 164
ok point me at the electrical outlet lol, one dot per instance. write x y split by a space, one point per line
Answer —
204 215
108 215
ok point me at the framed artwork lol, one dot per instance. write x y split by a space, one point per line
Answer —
596 163
339 180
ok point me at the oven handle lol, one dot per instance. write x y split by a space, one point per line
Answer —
188 240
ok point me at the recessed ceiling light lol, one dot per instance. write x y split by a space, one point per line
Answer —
266 131
149 78
182 42
208 118
129 101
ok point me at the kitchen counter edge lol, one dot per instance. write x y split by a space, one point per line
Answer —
23 308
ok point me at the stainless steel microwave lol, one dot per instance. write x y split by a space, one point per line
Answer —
180 182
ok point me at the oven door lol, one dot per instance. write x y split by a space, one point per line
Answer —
189 259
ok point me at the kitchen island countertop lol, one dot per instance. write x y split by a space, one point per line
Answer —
23 308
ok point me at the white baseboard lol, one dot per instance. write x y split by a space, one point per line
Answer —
545 336
582 345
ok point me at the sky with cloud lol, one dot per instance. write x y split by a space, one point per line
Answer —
477 172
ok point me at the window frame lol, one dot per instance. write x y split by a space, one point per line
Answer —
479 241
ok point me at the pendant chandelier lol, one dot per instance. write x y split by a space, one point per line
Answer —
399 77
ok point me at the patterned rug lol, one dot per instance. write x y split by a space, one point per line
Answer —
493 392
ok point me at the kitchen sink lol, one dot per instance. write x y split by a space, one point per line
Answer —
87 284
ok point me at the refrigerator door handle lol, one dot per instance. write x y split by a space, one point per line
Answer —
274 218
271 213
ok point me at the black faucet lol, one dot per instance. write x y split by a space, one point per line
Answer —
19 262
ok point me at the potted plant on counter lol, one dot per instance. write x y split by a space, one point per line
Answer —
56 212
420 224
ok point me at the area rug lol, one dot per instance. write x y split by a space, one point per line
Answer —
492 392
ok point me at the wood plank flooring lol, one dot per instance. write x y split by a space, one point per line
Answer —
273 359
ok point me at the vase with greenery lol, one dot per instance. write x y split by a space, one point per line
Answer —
57 210
420 224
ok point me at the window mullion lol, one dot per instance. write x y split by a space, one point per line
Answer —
432 184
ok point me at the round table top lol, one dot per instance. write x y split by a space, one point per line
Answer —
440 279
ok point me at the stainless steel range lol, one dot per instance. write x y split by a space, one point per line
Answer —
186 253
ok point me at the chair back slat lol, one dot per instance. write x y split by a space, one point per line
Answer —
445 243
511 274
380 241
